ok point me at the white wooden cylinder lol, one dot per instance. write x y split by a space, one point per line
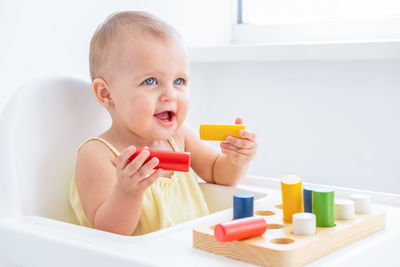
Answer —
304 223
344 209
362 203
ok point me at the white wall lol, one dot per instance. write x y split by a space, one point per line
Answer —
45 36
332 122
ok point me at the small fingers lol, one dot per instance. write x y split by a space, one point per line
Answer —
238 120
240 150
240 143
247 135
147 168
137 162
123 159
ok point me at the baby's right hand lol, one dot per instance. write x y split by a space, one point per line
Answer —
135 177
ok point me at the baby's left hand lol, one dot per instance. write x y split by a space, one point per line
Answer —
240 151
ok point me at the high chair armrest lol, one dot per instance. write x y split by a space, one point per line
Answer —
38 241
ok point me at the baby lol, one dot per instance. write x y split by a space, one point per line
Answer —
139 71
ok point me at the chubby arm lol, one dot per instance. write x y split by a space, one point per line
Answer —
226 167
203 155
111 190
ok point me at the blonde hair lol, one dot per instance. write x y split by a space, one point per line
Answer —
103 46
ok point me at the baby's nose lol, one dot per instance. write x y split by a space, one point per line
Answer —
168 94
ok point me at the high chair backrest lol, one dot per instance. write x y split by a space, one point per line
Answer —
41 127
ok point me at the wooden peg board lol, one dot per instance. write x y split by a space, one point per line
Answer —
280 247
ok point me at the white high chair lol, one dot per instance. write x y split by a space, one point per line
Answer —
41 126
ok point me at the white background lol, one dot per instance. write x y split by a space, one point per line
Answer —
331 122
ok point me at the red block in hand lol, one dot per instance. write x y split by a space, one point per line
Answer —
168 160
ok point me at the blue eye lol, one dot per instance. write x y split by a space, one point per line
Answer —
179 81
150 81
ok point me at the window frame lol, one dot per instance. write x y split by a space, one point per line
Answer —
358 29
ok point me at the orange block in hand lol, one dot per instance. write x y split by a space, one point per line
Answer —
240 229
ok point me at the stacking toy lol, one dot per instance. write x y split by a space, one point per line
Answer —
168 160
292 196
323 206
219 132
307 238
362 203
240 229
307 195
243 205
304 223
344 209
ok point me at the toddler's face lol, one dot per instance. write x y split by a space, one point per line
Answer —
149 89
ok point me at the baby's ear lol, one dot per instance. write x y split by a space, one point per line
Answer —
101 91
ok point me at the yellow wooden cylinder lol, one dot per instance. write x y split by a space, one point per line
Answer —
292 196
219 132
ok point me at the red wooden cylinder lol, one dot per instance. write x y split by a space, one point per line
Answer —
168 160
240 229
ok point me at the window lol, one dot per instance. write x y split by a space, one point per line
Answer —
270 21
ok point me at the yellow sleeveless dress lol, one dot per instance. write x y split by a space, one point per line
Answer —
167 202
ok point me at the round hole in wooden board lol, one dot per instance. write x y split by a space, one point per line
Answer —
264 213
282 241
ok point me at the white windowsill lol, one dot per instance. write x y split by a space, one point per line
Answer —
357 50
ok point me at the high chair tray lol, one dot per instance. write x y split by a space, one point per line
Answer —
38 241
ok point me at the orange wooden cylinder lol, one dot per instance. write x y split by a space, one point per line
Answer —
292 196
240 229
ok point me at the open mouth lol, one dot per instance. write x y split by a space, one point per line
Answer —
165 116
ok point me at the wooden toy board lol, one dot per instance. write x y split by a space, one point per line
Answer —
278 246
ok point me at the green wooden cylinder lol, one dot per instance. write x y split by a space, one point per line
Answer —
323 206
